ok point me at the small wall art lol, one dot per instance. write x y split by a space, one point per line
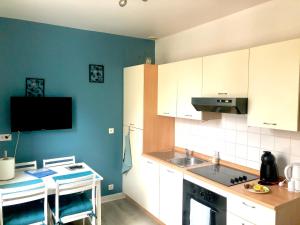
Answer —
96 73
35 87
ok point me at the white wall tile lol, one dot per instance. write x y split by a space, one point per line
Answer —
253 154
267 142
236 142
282 160
230 136
255 130
254 140
241 151
253 165
241 137
295 146
230 148
282 144
294 159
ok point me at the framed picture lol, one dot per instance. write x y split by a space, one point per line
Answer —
35 87
96 73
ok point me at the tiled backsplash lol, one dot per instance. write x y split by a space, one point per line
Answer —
236 142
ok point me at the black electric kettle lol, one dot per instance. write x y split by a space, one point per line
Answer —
268 169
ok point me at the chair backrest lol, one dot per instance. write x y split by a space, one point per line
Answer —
59 161
74 183
26 166
23 192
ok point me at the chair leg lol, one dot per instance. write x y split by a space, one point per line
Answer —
83 221
1 215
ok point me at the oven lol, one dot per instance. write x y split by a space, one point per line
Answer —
202 206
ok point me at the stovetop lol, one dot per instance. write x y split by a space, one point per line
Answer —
224 175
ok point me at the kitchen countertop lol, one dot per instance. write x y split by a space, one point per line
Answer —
279 197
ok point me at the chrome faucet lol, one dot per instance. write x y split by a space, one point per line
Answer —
188 153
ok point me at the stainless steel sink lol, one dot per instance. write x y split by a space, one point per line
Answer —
186 162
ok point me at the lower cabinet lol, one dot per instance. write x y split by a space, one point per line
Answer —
249 211
235 220
170 196
150 186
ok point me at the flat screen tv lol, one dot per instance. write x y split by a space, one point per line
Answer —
40 113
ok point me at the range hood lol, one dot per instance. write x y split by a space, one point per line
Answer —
221 105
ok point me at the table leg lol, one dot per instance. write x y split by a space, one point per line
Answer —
98 203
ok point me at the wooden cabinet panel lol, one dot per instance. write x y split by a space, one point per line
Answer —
274 86
167 90
134 96
171 191
226 75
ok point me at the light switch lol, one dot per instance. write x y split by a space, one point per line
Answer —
111 130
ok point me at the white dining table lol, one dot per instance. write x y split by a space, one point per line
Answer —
62 170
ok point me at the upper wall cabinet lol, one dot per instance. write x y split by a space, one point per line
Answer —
189 74
226 75
134 96
177 83
167 90
274 86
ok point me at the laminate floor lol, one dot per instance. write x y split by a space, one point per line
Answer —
123 212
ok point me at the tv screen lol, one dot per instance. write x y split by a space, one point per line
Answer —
40 113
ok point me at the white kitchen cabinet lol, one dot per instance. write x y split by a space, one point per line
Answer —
274 86
246 210
132 181
150 186
167 90
134 96
171 182
189 75
226 75
235 220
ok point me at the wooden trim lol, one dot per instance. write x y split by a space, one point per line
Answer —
145 211
159 131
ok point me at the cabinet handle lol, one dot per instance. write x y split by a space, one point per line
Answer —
166 113
271 124
222 93
131 124
188 115
149 162
250 206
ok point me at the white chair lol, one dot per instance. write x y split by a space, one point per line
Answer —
21 203
70 202
25 166
58 161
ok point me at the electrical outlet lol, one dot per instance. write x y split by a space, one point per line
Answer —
111 130
5 137
110 187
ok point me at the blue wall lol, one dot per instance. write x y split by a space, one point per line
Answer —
61 56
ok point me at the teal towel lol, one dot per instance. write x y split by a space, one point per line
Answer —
127 159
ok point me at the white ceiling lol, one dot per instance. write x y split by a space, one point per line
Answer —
155 18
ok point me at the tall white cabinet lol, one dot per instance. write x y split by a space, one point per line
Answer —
274 86
148 132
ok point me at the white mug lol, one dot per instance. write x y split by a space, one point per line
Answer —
297 185
291 186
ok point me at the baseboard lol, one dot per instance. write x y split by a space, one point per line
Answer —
113 197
